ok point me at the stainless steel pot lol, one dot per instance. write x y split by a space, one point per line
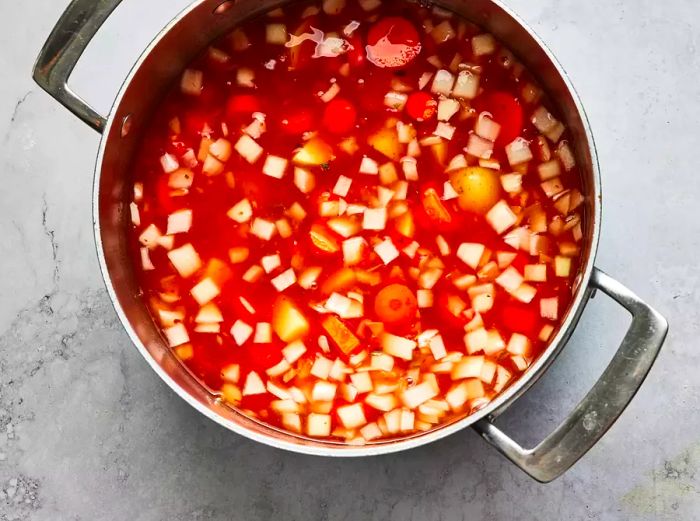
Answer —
179 42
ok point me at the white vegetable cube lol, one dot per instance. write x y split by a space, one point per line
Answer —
253 384
221 149
169 163
321 367
525 293
146 263
519 345
483 44
409 166
476 340
263 229
275 166
179 221
185 259
510 279
419 394
467 85
354 250
512 183
395 100
535 272
470 253
176 335
467 367
342 186
241 212
205 291
486 127
318 425
209 313
518 151
271 262
369 166
407 420
479 147
352 416
293 351
386 251
392 420
191 82
241 332
304 180
424 298
362 382
562 266
447 108
284 280
443 82
549 308
371 431
263 333
397 346
323 391
374 219
501 217
276 34
248 148
149 237
437 347
457 396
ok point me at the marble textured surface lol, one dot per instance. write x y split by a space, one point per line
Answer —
87 432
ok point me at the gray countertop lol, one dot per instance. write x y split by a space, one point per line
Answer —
88 432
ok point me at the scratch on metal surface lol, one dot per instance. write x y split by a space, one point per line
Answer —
670 486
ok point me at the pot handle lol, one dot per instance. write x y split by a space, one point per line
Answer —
603 404
62 50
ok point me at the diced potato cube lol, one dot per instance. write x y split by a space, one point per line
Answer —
321 367
323 391
288 321
519 345
562 266
386 141
248 148
471 253
483 44
501 217
253 384
274 166
468 367
352 416
314 152
176 335
205 291
304 180
185 259
318 425
276 34
263 229
386 251
241 212
362 382
397 346
418 394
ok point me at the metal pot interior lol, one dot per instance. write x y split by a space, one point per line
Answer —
160 65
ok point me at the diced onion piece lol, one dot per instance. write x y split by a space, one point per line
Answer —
549 170
248 148
181 179
293 351
443 32
486 127
263 229
443 82
241 212
447 108
369 166
501 217
512 183
221 149
471 253
209 313
271 262
395 100
342 186
424 298
263 333
444 130
231 373
510 279
525 293
543 120
169 163
323 391
519 345
476 340
179 221
419 394
185 259
549 308
518 151
397 346
382 402
467 85
382 362
212 166
468 367
191 82
374 219
386 251
479 147
318 425
176 335
562 266
362 382
494 343
304 180
321 367
483 44
353 250
405 132
276 34
552 187
535 272
352 416
205 291
437 347
245 77
241 332
565 155
274 166
482 297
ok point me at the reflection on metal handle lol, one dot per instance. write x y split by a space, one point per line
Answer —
66 43
603 404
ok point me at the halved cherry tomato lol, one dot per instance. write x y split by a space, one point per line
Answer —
507 112
421 106
395 305
339 116
298 121
392 42
242 105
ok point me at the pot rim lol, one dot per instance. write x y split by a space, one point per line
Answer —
335 449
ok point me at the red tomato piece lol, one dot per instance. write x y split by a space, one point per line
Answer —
242 104
339 116
421 106
392 42
507 112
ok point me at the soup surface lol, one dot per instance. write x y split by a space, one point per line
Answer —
356 220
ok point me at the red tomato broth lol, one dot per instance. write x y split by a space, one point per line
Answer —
288 92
